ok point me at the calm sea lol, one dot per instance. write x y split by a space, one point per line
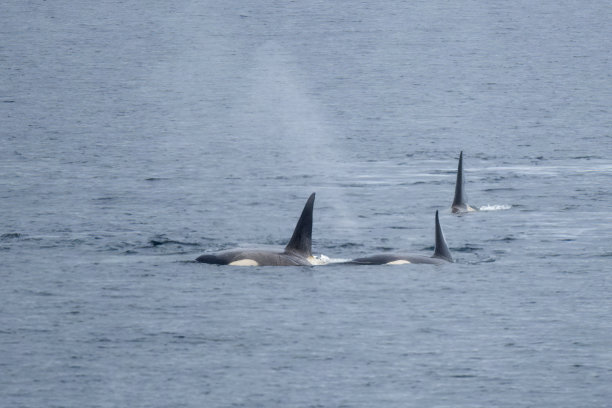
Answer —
136 136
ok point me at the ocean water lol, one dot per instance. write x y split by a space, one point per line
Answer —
135 137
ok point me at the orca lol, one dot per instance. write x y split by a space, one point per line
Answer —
440 256
460 204
297 252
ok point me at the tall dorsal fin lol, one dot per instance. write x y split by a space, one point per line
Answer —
301 240
460 199
441 250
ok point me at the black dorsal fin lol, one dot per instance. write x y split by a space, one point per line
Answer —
301 240
441 250
460 200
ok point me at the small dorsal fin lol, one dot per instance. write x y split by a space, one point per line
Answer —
301 240
441 250
460 200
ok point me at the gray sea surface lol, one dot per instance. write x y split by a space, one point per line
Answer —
136 136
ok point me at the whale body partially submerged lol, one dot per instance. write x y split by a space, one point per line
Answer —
298 251
441 254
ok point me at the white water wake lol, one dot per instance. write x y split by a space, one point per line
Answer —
495 207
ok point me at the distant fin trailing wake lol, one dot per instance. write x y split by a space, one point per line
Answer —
460 195
460 204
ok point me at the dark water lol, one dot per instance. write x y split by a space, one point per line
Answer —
135 138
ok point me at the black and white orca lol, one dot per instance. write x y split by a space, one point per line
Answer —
460 204
441 254
297 252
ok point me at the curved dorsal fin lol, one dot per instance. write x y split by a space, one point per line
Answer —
301 240
441 250
460 199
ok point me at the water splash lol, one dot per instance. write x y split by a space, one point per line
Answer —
495 207
326 260
320 260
